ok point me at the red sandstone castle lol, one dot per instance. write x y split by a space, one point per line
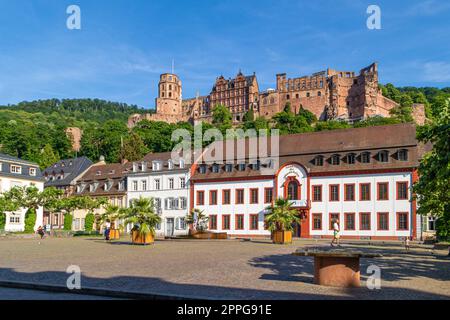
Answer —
328 94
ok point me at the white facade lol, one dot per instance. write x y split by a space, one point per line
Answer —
369 217
247 209
392 206
15 221
170 191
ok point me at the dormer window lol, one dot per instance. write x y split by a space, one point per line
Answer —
108 185
93 187
256 165
98 173
318 161
121 186
156 165
351 158
16 169
202 169
365 157
228 167
182 164
402 155
215 168
241 167
383 156
32 172
335 160
170 164
112 172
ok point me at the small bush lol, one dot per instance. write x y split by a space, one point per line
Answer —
89 222
68 222
30 220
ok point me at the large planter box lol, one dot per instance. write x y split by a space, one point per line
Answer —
138 238
282 237
114 234
210 235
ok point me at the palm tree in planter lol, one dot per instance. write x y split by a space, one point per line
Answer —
280 218
198 221
112 215
141 214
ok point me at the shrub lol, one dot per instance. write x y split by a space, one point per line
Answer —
2 221
30 220
89 222
68 222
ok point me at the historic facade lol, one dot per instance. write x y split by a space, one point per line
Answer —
365 183
63 175
15 172
329 94
166 181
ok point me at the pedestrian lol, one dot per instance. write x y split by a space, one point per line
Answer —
336 236
407 244
107 231
40 231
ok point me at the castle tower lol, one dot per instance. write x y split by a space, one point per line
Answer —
169 95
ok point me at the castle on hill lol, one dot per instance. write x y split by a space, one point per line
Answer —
330 95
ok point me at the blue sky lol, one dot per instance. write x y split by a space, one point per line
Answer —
123 46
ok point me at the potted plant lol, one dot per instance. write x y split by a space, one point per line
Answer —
111 216
198 223
141 214
279 219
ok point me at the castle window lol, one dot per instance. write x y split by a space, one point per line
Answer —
308 94
162 94
296 96
402 155
228 167
288 97
202 169
335 160
355 81
319 94
365 157
215 168
383 156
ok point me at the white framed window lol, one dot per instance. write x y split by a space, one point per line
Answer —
157 184
14 218
156 166
16 169
32 172
135 186
182 183
1 166
182 164
170 164
183 203
144 185
171 183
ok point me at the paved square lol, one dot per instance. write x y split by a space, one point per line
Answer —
219 269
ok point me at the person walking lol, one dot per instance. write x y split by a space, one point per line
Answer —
40 231
336 235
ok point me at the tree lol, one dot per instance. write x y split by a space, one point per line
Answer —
281 215
222 118
198 220
48 157
433 187
249 116
133 148
141 213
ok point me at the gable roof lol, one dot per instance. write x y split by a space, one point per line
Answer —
70 169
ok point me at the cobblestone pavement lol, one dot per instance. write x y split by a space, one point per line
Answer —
219 269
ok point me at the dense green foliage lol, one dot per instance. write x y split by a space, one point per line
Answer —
68 219
30 220
89 222
433 187
34 130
